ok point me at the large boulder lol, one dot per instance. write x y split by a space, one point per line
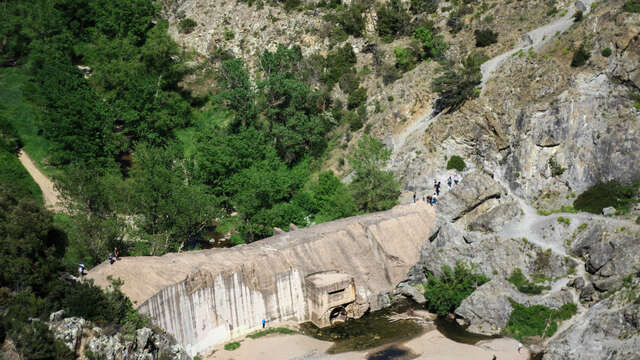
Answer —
475 188
68 330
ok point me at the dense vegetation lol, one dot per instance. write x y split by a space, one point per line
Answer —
444 294
536 320
137 157
632 6
32 283
523 284
456 162
603 195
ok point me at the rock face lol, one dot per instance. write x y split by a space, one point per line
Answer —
611 250
487 310
79 336
610 329
206 297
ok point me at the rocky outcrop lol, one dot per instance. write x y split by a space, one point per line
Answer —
611 251
610 329
487 309
206 297
83 339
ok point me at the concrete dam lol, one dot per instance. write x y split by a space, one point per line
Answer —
320 273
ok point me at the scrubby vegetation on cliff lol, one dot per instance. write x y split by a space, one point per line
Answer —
536 320
445 293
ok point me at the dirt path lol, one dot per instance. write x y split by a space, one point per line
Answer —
49 193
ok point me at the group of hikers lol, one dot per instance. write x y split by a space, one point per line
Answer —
432 199
113 256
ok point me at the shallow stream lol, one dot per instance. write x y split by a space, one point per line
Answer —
376 329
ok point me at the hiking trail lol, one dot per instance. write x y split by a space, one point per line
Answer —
50 195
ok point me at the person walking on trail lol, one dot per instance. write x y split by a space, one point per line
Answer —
456 179
111 260
494 358
264 323
414 197
438 188
81 272
519 347
429 200
449 181
116 253
434 198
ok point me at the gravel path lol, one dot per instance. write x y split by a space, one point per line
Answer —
535 38
49 193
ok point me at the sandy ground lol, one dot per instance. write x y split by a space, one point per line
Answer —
49 194
429 346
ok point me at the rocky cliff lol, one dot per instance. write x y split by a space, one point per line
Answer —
206 297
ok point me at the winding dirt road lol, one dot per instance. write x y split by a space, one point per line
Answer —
49 193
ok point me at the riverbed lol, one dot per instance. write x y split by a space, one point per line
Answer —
396 333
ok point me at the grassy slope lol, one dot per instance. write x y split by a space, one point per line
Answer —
15 175
23 115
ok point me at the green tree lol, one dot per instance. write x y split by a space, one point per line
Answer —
171 211
457 84
431 46
331 198
393 20
445 293
485 37
372 188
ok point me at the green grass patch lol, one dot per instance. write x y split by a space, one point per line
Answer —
16 177
537 320
23 115
525 286
632 6
564 220
603 195
278 330
232 346
562 209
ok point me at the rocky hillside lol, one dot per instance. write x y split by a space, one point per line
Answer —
557 112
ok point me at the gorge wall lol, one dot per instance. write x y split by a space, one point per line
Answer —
206 297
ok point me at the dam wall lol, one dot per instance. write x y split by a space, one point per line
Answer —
207 297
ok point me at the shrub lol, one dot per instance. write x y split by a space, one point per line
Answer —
354 121
456 162
536 320
603 195
556 169
291 4
187 25
485 37
392 21
457 84
405 60
357 98
430 45
580 56
606 52
351 19
578 16
444 294
231 346
523 284
229 34
423 6
632 6
563 220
